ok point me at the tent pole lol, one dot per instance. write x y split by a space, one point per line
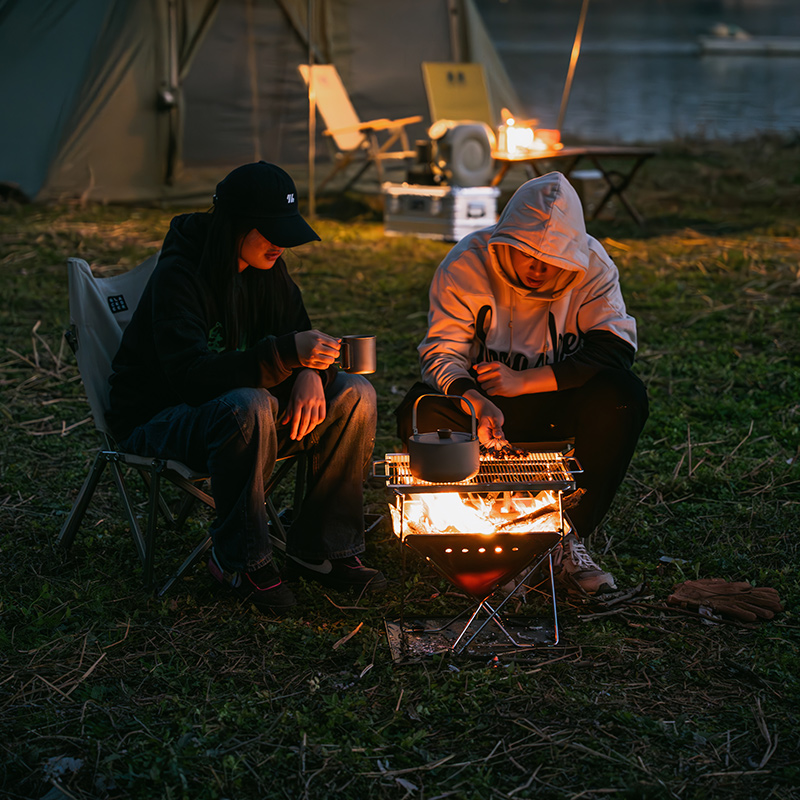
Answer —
173 84
455 30
312 115
252 67
573 60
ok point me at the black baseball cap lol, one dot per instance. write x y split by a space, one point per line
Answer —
266 194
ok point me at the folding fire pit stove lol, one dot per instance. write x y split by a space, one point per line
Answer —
520 528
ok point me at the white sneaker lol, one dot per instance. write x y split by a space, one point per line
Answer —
573 566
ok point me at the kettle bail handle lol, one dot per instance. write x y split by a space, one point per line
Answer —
445 397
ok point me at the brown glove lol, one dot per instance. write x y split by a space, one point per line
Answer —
739 600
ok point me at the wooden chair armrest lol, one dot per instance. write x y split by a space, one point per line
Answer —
374 125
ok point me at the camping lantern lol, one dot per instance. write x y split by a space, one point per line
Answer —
516 140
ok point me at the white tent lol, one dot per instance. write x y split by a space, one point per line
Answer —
155 100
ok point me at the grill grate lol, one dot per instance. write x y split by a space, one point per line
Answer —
535 470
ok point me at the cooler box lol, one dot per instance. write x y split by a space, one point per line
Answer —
438 212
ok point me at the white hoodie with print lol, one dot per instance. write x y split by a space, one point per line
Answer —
481 311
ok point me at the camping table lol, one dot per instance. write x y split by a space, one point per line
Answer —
616 180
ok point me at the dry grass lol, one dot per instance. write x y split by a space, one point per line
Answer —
106 692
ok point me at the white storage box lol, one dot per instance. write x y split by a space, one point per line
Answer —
437 212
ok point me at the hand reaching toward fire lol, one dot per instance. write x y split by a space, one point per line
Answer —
497 378
490 419
315 349
306 408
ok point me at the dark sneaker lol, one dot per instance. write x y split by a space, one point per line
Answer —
263 588
574 568
341 574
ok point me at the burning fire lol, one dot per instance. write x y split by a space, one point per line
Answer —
452 512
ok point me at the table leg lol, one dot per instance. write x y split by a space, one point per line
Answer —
617 183
501 173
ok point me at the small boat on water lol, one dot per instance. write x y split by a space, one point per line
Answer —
732 40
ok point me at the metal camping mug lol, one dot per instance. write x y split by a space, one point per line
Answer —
359 354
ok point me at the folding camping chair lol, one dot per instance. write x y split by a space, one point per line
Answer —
457 92
463 125
352 138
100 309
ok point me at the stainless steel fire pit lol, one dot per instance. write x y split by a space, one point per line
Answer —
485 531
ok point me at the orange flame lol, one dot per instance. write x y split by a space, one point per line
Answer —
450 512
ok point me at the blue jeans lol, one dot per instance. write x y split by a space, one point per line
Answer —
236 439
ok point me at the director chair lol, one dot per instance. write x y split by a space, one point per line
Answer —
100 309
352 138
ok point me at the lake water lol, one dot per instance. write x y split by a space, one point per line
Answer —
640 77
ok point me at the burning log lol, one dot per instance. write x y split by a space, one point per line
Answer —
570 501
414 528
528 518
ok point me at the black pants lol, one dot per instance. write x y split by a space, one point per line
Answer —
603 418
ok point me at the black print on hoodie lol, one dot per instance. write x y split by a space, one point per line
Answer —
567 344
481 311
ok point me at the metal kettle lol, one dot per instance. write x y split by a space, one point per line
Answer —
444 455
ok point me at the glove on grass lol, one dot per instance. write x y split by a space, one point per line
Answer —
739 599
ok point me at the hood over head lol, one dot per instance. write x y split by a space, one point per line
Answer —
544 218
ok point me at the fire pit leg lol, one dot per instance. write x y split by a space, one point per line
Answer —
553 596
404 646
455 646
494 613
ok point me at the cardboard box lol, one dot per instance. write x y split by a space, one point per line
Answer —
437 212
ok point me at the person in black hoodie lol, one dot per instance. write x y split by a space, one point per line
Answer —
220 368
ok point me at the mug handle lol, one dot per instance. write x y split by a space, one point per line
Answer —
345 355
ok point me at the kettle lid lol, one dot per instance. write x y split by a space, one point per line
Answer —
442 436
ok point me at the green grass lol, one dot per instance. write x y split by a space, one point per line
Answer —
194 697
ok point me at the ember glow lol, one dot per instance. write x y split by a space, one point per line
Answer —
454 512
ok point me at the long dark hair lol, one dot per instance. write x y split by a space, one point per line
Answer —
219 267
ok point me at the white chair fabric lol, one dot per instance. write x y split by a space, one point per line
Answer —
100 309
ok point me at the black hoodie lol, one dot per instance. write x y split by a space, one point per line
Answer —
169 352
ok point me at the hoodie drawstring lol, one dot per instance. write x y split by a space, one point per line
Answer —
511 324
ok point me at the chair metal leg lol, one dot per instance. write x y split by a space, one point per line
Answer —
189 562
136 531
278 528
152 519
70 527
187 504
278 531
156 503
301 478
342 163
153 475
166 511
356 175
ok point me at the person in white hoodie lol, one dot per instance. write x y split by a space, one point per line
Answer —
528 322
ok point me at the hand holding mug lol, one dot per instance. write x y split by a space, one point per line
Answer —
315 349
